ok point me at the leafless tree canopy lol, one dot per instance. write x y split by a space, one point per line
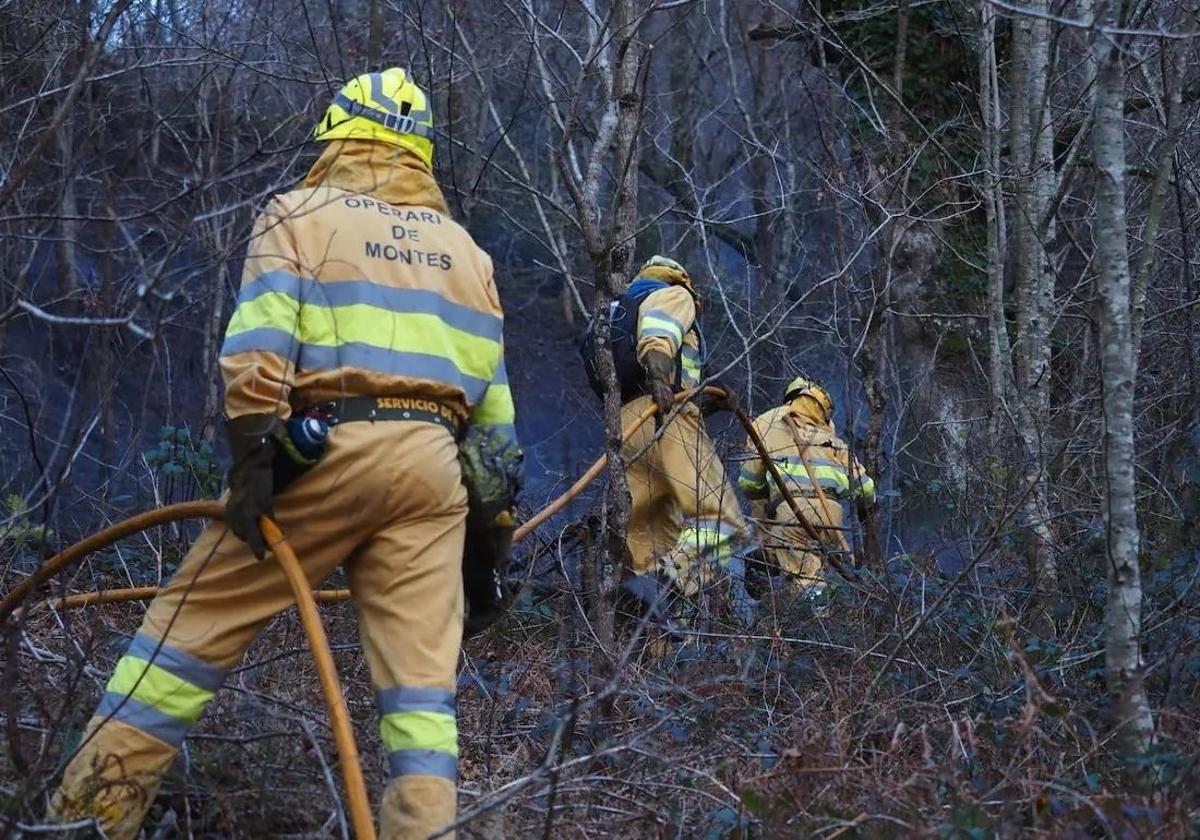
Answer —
973 219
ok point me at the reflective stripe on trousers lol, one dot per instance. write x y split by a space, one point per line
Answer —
159 689
420 731
707 537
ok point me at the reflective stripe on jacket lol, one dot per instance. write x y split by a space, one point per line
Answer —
838 473
359 284
665 324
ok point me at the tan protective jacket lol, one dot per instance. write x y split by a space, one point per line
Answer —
355 284
830 464
665 323
358 283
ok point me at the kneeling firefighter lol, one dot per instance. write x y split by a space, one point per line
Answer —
821 473
366 312
686 527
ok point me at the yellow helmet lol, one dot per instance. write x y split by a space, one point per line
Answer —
665 269
802 386
387 107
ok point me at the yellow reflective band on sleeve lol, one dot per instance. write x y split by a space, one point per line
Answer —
690 360
827 476
497 407
419 731
276 310
834 474
158 688
651 324
866 486
711 537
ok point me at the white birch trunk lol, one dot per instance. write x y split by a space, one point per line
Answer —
1132 718
999 348
1032 144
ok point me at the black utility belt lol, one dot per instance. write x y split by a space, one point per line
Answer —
383 409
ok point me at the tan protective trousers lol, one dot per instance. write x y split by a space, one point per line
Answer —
684 509
805 569
387 501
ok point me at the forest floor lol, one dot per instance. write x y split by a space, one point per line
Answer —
805 725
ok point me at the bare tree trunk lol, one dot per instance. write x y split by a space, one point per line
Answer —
1032 143
900 58
999 348
1193 293
68 204
219 237
1132 718
106 376
68 208
873 388
1173 75
618 261
609 238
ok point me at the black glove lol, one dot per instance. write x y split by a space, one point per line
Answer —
712 403
660 379
486 557
251 478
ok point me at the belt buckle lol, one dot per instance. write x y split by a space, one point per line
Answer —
326 411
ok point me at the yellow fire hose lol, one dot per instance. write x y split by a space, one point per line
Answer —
331 685
214 510
103 539
306 599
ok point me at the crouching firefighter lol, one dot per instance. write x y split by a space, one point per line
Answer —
821 473
361 361
686 528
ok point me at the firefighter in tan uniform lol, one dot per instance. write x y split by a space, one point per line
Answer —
821 472
686 524
365 307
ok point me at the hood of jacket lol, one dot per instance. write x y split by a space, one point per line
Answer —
666 274
669 276
808 412
382 171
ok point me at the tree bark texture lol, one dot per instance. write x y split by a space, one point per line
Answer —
1132 718
991 116
617 262
1173 76
1032 145
608 233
